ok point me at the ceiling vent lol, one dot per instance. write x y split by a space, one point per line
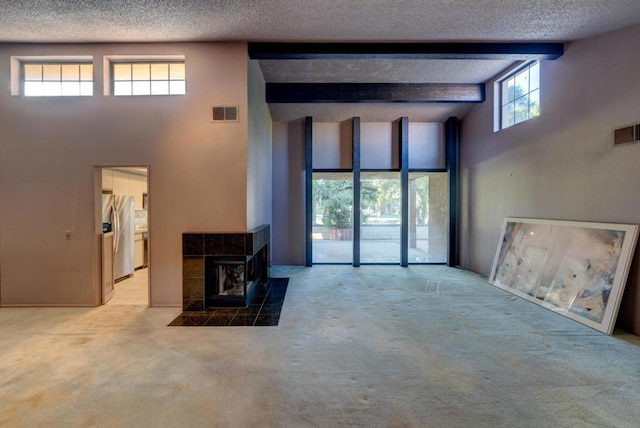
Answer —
225 114
626 135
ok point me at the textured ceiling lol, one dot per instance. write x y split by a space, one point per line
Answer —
311 20
327 21
381 71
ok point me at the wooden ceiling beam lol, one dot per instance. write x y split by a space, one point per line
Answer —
490 51
375 92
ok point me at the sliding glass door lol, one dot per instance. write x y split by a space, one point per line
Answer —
380 217
332 231
428 217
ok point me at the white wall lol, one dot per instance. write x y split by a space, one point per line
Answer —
332 145
560 165
288 194
379 145
49 148
259 151
426 145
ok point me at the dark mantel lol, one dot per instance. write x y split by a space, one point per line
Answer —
225 243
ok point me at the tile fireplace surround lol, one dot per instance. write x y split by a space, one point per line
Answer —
203 252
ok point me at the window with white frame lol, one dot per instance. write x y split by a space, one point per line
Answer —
519 95
148 78
56 79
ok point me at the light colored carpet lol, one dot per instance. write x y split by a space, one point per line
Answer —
424 346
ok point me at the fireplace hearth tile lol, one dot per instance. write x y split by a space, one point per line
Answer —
251 311
192 305
248 244
224 311
263 312
242 321
233 245
193 267
192 244
213 244
219 320
266 320
195 319
193 289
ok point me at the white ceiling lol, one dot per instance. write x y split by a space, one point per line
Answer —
76 21
311 20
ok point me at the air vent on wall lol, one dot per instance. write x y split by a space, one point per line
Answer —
225 114
628 134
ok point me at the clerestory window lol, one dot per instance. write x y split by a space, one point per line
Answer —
148 78
519 95
56 79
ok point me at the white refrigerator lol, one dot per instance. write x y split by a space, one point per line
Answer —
119 211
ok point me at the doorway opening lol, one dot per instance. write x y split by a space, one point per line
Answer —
124 199
380 215
428 217
332 217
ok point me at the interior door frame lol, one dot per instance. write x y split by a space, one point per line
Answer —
98 284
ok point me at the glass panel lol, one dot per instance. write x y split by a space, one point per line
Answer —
86 89
70 89
33 89
522 83
504 92
508 115
177 87
51 72
522 109
70 72
160 87
51 89
141 72
534 103
534 73
176 71
230 279
507 90
121 72
332 236
121 88
428 217
141 88
380 217
86 72
33 72
159 71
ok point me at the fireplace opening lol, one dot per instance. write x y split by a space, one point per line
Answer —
232 281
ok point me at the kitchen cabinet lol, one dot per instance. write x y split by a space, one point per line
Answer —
120 183
107 179
137 186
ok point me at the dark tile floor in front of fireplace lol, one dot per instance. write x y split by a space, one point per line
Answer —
264 310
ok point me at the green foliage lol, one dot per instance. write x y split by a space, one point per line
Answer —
337 211
380 197
334 198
